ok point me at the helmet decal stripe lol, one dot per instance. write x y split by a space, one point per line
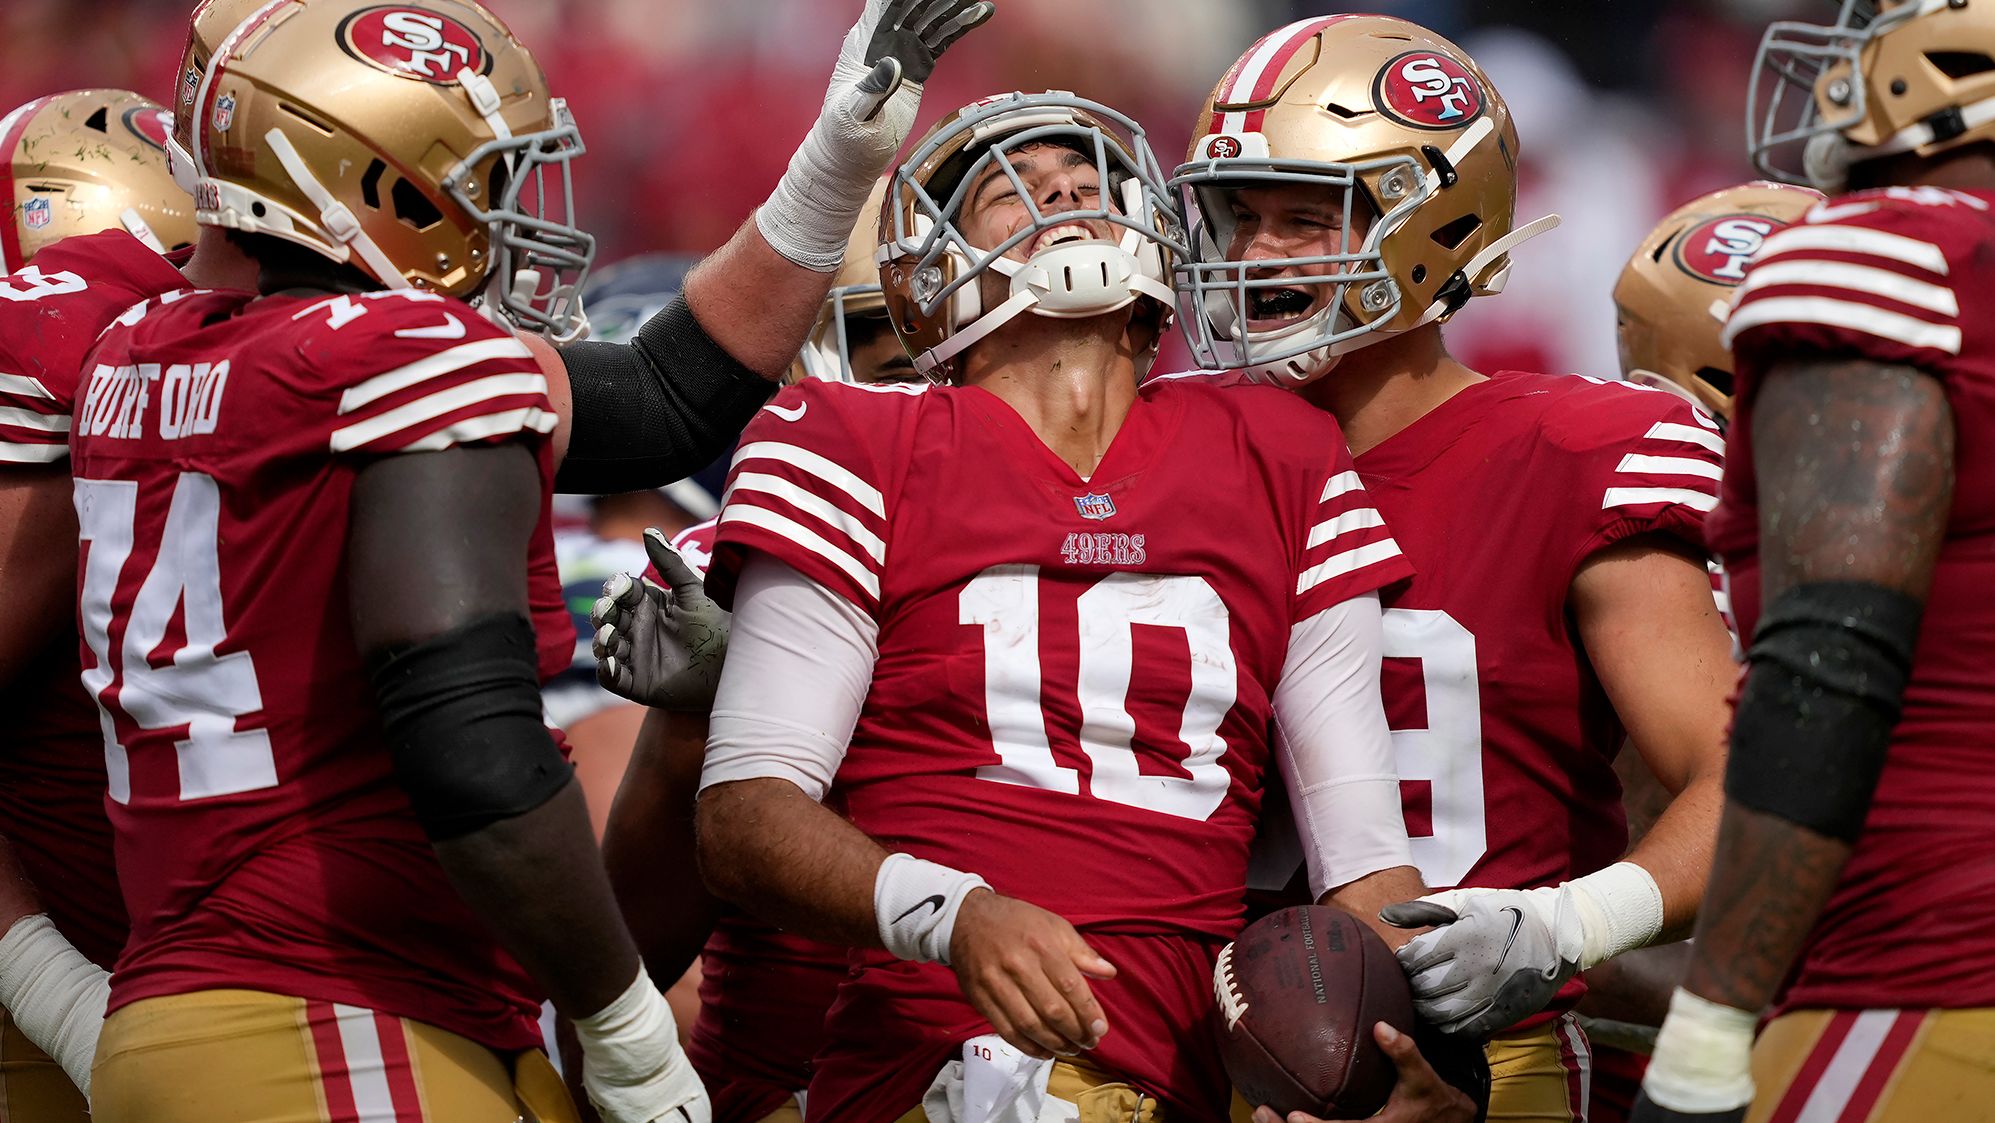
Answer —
11 129
1261 67
204 101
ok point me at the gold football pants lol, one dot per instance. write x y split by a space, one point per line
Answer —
238 1056
1876 1066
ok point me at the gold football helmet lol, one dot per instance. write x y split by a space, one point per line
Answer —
930 272
855 291
1889 76
1406 134
85 161
206 28
413 141
1674 294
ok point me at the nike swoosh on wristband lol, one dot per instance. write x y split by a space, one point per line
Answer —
796 414
1514 926
934 902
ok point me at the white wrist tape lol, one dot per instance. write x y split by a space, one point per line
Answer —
1620 909
54 994
915 905
627 1040
809 217
1703 1057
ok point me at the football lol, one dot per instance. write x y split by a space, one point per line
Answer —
1299 992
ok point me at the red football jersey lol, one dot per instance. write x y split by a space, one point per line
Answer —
763 991
51 748
263 841
1505 740
1892 277
1072 693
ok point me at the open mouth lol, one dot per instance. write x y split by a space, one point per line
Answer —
1275 307
1061 235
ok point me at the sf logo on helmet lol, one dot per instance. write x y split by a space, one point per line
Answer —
1428 90
414 43
1718 249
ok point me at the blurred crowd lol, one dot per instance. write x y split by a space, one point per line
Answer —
690 108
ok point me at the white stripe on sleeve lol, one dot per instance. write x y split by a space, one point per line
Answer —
794 531
1639 464
448 400
1859 240
811 503
1643 496
431 366
1350 561
1863 280
1359 518
824 468
1848 314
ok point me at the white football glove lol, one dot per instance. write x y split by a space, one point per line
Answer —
1500 955
869 110
657 646
632 1066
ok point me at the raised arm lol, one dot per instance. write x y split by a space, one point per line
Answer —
667 403
1855 463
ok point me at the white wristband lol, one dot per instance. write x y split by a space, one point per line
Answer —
1703 1057
55 995
915 905
1620 909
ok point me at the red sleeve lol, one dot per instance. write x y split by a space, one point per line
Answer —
810 487
51 313
415 372
1347 551
1647 462
1870 276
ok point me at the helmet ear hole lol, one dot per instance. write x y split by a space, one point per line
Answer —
1960 64
1455 233
1720 380
370 183
413 207
99 120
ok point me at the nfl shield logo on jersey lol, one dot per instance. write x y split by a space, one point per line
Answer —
37 213
1096 507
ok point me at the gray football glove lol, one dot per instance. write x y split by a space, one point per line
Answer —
656 645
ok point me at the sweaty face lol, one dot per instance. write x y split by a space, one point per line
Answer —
1056 178
1272 222
876 352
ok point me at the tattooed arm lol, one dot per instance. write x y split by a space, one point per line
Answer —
1855 467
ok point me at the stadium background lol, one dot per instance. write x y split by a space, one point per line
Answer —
691 108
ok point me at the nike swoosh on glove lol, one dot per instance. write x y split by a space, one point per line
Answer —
660 646
1497 956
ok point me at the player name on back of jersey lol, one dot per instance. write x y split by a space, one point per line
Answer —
116 400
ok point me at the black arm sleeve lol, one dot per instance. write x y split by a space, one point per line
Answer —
656 409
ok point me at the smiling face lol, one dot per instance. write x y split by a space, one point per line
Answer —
1058 179
1275 222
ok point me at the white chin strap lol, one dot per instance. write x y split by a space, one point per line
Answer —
1489 254
1071 281
135 225
335 218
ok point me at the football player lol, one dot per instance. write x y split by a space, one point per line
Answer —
91 209
1001 613
1852 895
348 846
1670 305
1354 181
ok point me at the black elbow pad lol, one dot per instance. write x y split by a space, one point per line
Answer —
1829 665
656 409
462 715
